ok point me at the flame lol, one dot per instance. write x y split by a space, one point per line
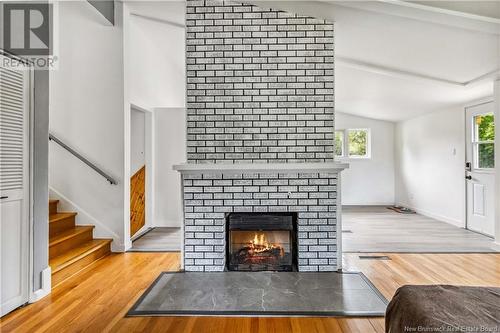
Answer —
260 244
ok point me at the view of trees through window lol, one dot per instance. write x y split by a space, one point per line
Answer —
357 141
352 143
339 143
485 132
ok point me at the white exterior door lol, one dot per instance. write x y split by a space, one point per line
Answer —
480 172
14 185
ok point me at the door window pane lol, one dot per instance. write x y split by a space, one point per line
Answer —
485 127
486 155
483 141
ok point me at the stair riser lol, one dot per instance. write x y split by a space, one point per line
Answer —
70 243
61 225
52 207
77 266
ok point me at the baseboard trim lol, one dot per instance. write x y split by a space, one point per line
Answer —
439 217
368 205
144 230
118 247
46 286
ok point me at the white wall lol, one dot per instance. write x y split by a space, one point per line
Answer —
137 140
157 81
430 159
170 145
86 112
157 55
369 181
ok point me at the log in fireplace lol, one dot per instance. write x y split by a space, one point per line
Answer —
261 242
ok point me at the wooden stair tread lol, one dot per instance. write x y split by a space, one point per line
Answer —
60 216
72 247
60 262
70 233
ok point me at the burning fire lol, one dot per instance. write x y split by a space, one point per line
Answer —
259 244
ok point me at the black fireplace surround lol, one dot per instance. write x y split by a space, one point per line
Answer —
261 242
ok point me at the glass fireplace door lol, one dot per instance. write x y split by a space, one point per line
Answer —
260 250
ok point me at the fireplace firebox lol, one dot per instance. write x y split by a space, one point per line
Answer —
261 242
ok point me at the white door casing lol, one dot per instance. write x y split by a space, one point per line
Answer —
14 184
480 172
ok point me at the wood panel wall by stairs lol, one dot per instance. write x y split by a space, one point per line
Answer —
71 247
137 200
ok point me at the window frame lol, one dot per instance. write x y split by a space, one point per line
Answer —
345 144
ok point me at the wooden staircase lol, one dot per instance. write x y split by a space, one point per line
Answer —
71 247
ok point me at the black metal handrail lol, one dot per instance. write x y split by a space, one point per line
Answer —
83 159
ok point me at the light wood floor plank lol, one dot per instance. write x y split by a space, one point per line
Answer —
378 229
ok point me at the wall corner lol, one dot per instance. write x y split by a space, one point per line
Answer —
46 283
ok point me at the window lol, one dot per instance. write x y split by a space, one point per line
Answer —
352 143
357 142
339 143
483 141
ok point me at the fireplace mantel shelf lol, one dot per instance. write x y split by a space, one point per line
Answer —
260 167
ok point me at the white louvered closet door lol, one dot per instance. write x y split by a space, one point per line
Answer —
14 185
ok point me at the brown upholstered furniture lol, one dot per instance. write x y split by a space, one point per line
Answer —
444 308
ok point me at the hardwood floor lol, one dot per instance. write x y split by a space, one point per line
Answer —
159 239
98 299
378 229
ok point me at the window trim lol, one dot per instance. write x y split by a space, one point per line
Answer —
345 145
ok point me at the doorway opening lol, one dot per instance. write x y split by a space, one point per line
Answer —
141 171
151 227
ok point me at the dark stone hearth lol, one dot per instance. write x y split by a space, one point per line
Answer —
262 294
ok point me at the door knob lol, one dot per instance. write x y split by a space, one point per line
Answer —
468 177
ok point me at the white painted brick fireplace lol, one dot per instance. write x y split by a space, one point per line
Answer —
260 117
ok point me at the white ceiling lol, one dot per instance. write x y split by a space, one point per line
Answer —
397 50
168 11
384 97
482 8
397 60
